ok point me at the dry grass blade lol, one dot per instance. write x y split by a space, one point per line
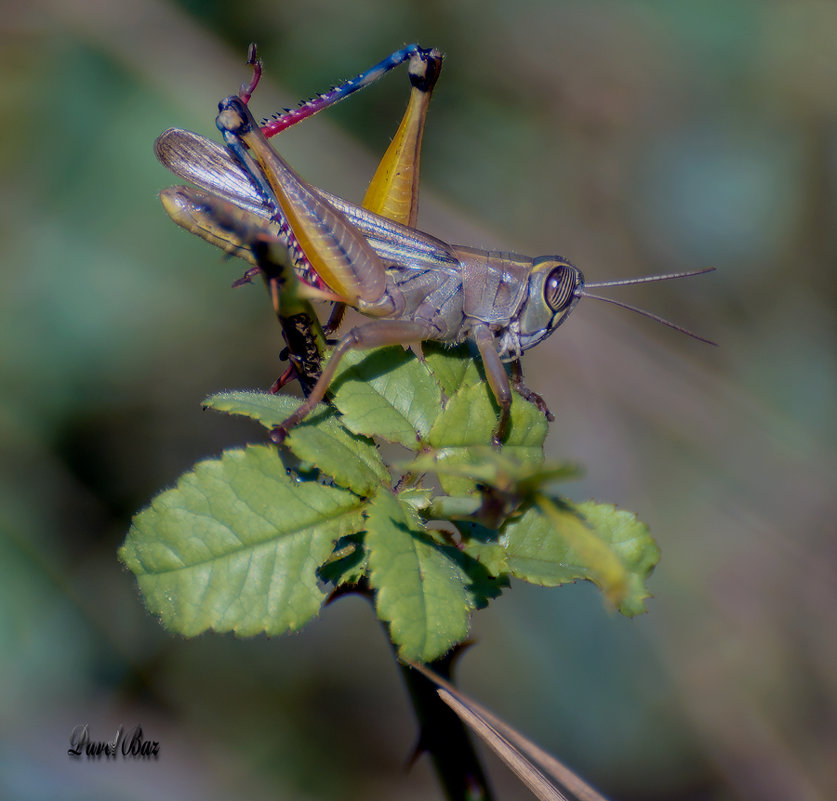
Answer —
545 776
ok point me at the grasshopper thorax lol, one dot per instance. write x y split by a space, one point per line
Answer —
553 291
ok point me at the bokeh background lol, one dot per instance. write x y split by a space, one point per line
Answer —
631 136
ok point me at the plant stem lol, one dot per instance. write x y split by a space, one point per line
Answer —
444 737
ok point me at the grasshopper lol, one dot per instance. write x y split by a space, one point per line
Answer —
415 286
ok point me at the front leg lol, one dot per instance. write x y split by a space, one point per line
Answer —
495 374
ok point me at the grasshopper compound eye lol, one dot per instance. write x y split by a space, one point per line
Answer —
560 287
553 291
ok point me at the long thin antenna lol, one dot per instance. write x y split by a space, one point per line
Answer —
645 279
649 314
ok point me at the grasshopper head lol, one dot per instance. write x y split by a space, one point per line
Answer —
554 287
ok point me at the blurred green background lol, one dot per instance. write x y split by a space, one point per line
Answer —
632 137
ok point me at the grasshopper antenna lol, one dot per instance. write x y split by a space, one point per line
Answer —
647 279
650 315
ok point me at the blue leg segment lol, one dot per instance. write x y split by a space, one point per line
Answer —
309 107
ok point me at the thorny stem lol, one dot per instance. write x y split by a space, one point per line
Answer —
442 735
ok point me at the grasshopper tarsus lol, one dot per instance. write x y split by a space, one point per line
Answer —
247 88
247 278
334 319
284 379
502 427
278 434
526 393
533 397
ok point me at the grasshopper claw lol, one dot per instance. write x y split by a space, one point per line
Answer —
502 428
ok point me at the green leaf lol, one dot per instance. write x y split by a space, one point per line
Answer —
235 546
420 589
501 469
240 545
631 541
454 507
351 460
468 422
469 419
555 543
263 407
483 544
387 393
471 415
417 497
452 367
